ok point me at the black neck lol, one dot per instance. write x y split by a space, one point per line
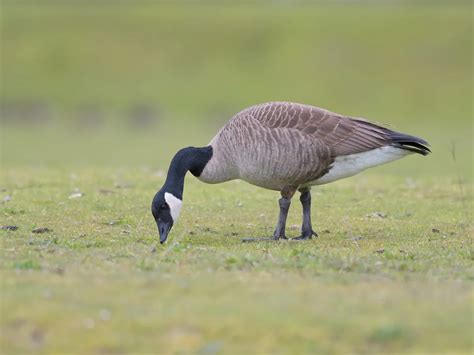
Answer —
187 159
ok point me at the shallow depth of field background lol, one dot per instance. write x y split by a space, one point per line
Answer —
97 97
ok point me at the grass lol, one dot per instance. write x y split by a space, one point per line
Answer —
96 98
100 283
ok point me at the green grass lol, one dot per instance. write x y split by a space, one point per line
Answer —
94 283
74 76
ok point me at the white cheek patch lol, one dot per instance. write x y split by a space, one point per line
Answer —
175 205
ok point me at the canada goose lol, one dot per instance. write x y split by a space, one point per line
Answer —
286 147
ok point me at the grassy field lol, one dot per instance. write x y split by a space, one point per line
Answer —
98 282
96 99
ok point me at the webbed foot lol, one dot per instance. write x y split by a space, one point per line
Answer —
306 236
264 239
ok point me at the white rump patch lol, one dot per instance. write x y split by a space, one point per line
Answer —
348 165
175 205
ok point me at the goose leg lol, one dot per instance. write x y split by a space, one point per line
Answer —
306 229
279 232
281 225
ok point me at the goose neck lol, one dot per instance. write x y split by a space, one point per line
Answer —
187 159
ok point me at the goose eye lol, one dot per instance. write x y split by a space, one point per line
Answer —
163 206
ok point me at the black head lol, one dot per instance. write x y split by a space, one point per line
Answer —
162 213
167 202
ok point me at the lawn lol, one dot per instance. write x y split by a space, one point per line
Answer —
390 271
92 113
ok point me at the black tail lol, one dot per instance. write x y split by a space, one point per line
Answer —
411 143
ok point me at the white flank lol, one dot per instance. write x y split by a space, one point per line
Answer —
348 165
175 205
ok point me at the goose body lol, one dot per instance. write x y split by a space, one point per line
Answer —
287 147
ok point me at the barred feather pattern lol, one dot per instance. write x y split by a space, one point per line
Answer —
280 144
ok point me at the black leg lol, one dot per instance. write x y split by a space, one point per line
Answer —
281 225
279 232
306 229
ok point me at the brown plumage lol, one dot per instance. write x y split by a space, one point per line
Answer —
280 145
286 147
342 135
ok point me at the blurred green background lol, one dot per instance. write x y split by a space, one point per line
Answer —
129 83
96 97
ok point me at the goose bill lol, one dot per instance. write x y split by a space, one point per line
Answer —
164 228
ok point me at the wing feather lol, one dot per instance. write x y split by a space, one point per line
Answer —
342 135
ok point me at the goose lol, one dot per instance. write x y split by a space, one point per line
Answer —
286 147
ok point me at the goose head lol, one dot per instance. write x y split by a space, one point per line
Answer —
165 209
167 202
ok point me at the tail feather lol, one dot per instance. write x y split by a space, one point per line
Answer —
396 139
411 143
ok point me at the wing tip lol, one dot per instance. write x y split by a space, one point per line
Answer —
415 149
